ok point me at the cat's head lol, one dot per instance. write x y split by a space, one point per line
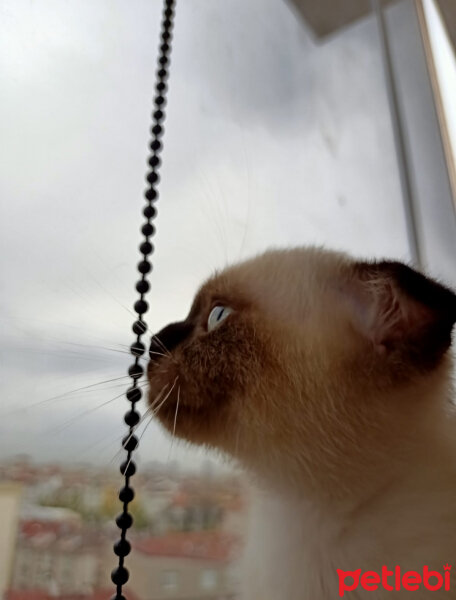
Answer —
297 359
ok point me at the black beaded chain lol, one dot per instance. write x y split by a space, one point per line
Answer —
124 520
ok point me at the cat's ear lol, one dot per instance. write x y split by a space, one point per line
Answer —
401 310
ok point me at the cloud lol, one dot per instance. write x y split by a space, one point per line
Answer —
270 140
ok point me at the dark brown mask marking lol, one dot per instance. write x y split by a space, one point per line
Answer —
169 338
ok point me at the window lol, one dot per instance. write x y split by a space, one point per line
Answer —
208 579
170 580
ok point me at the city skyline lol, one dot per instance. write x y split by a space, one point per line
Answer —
186 539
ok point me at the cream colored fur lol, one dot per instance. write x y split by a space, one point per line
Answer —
350 444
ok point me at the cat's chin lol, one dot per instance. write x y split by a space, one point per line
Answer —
174 415
191 423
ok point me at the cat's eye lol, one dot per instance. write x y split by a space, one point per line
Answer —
217 315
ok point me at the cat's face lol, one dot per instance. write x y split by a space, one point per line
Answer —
298 355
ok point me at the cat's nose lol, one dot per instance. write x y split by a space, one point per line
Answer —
166 340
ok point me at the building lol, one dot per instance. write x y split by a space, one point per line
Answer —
185 566
58 556
99 594
10 495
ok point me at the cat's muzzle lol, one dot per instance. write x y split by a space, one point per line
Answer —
168 338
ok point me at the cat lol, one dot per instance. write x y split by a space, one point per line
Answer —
329 380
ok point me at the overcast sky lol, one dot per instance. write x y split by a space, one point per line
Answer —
271 139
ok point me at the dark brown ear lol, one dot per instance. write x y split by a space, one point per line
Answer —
402 311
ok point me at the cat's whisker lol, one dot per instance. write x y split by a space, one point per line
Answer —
174 425
161 344
140 438
84 413
111 295
158 397
156 410
65 395
131 434
144 416
85 387
159 353
126 349
88 449
151 411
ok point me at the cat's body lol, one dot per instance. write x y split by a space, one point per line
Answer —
328 379
294 547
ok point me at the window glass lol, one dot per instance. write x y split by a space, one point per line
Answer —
272 139
209 579
170 580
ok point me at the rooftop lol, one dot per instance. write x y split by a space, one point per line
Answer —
99 594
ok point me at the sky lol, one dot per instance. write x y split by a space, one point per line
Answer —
272 139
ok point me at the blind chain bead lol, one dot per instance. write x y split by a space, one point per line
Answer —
124 521
130 443
157 130
134 394
128 468
154 161
132 418
155 146
142 286
139 327
150 211
148 229
153 176
126 494
122 548
144 267
120 575
135 371
141 307
146 248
